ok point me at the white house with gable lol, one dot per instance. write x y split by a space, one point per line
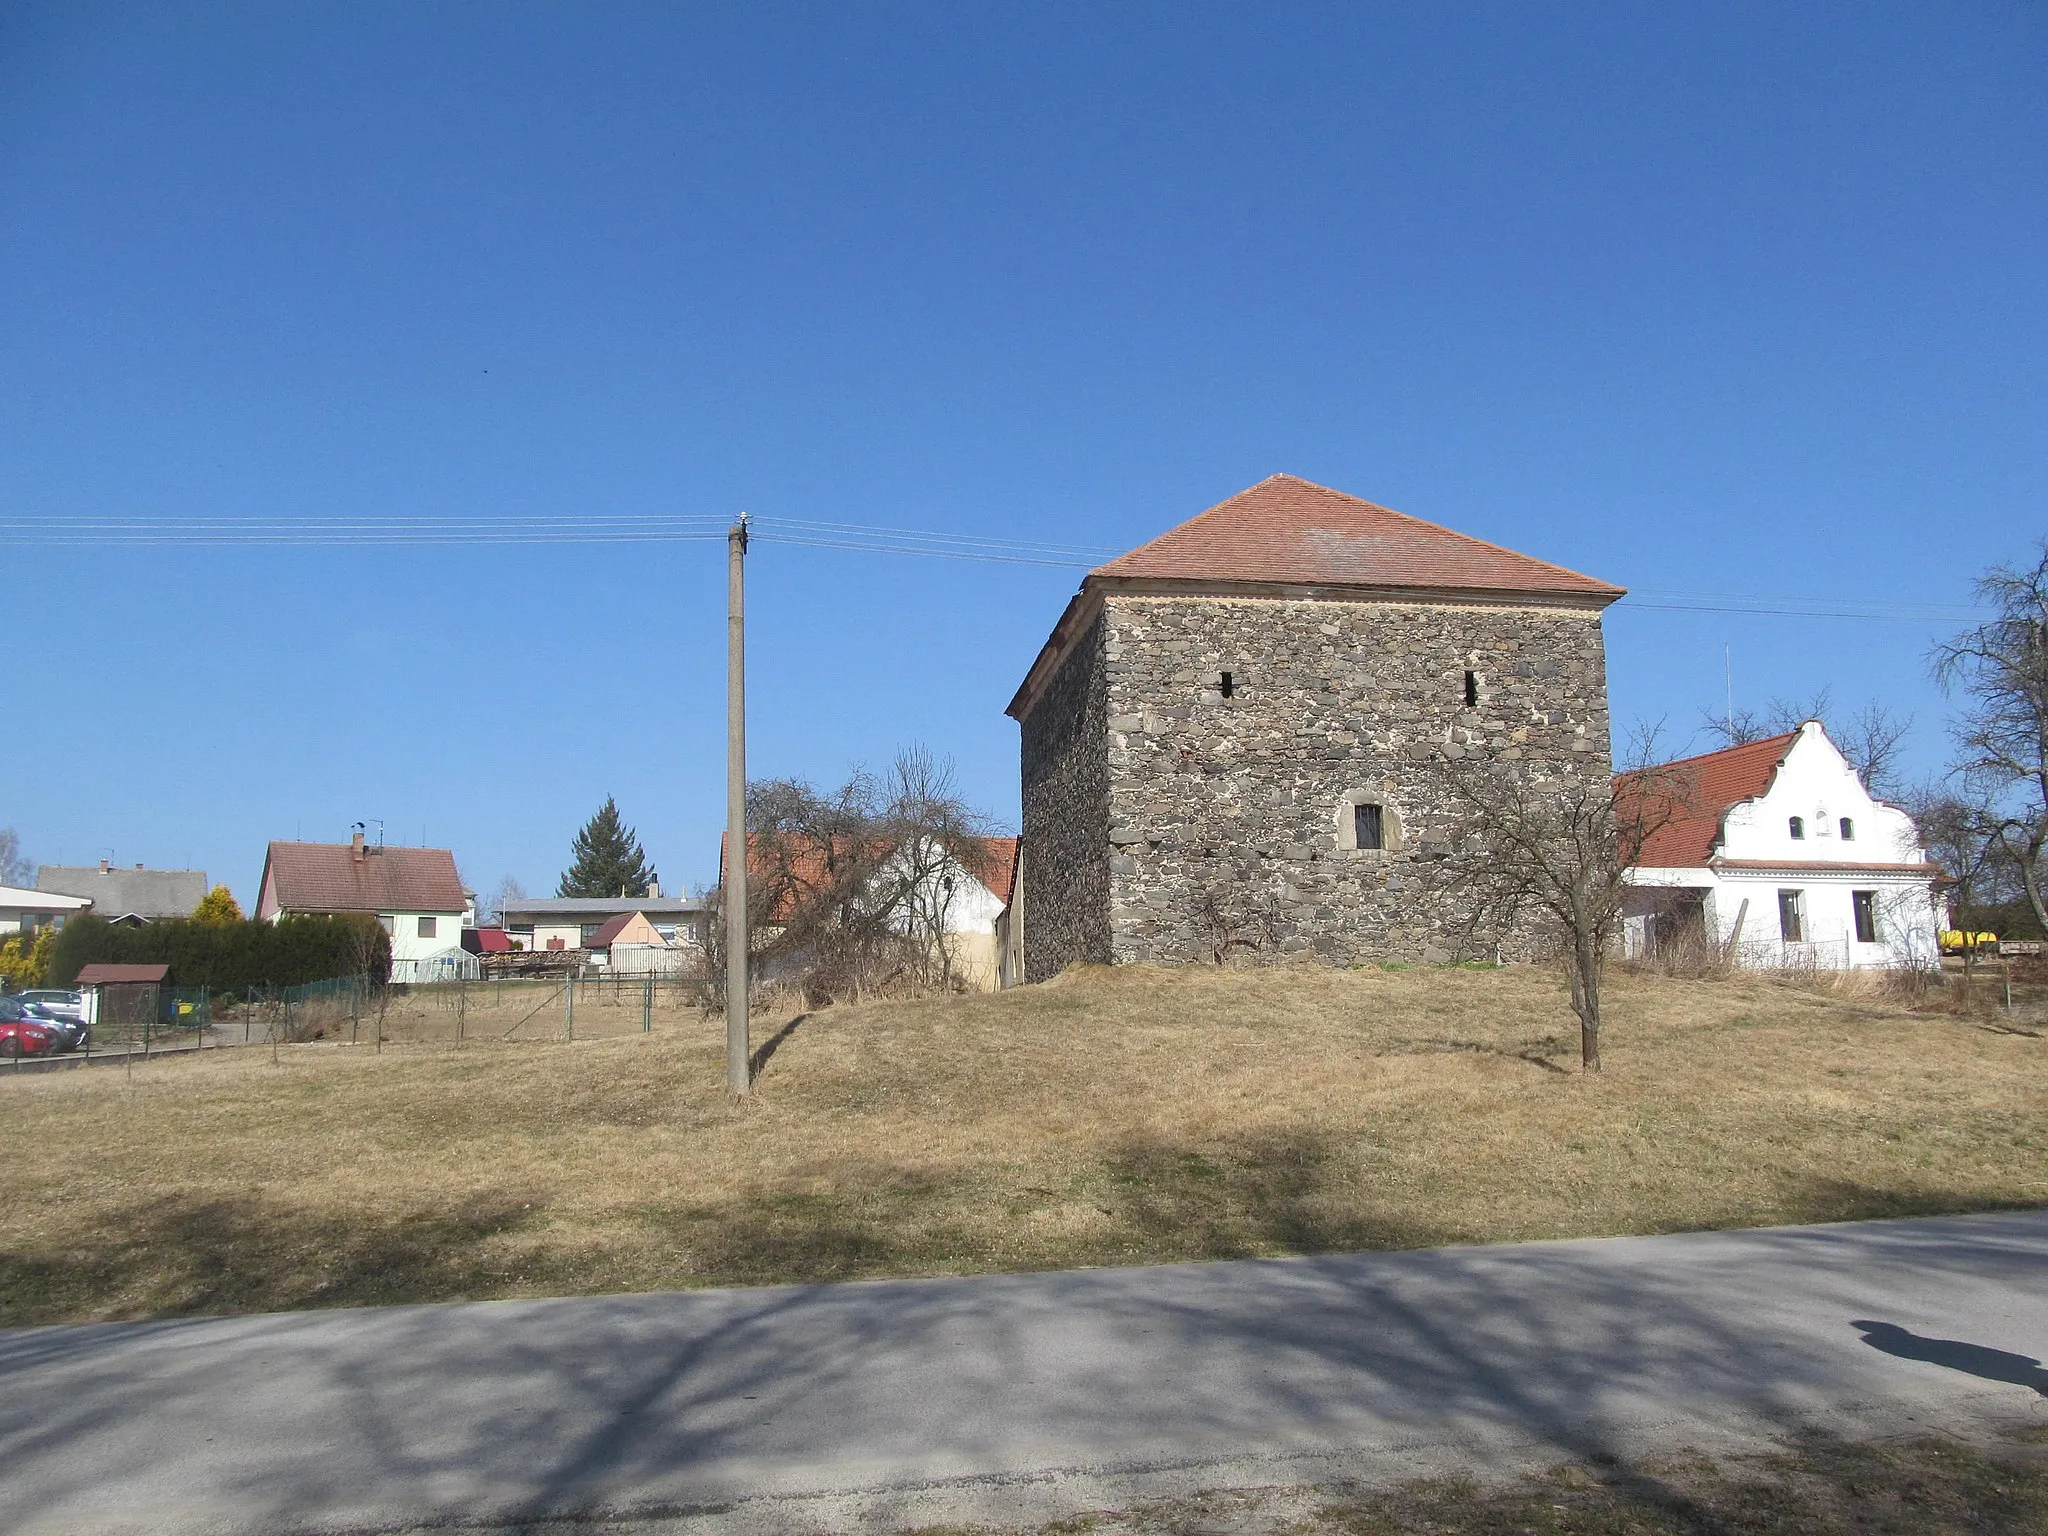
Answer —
414 892
1781 857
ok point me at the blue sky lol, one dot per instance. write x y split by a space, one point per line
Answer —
1723 299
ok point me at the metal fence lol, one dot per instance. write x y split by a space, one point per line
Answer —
348 1010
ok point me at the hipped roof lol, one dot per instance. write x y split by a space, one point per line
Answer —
1293 532
1287 536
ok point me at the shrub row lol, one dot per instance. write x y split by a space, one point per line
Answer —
229 956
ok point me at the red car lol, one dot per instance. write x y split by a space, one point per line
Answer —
21 1035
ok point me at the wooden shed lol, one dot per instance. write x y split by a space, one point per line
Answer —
122 994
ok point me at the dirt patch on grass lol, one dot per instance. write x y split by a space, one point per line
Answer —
1116 1117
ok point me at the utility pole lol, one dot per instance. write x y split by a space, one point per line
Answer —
738 1073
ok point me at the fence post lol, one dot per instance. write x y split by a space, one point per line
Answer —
647 1006
461 1006
569 1006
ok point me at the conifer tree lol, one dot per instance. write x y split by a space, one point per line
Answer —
609 860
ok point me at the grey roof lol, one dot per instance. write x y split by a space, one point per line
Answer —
601 906
117 892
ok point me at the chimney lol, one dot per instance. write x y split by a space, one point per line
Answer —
654 888
355 847
106 866
138 866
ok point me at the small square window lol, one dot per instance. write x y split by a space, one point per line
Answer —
1369 826
388 923
1848 830
427 927
1798 826
1471 690
1792 916
1865 905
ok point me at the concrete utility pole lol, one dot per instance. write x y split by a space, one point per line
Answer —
738 1074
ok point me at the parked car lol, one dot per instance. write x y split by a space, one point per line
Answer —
55 1002
71 1032
21 1035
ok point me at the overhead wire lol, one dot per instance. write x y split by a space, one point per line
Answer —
805 533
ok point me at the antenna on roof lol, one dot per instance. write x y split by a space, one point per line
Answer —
1728 676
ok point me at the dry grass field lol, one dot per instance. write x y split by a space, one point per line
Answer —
1112 1117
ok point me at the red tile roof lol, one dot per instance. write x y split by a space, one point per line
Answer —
999 873
93 975
996 867
1711 785
331 877
1293 532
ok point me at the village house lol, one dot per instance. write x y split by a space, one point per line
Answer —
24 911
1780 857
130 896
573 923
963 896
1240 733
414 892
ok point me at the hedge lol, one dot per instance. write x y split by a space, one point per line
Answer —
229 956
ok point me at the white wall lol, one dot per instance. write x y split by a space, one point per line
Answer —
1816 784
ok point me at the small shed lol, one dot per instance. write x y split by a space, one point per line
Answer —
122 994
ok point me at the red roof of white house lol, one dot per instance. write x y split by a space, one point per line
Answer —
1709 785
335 877
1293 532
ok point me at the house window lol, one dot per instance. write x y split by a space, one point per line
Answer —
590 932
427 925
1369 826
1798 825
1792 916
1471 690
1224 685
1864 903
1848 830
388 923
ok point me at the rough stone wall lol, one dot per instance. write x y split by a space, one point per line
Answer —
1228 815
1065 758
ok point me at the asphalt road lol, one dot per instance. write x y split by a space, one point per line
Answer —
1019 1396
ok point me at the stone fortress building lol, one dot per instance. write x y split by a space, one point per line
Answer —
1237 740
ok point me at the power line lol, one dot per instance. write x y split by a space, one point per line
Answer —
511 529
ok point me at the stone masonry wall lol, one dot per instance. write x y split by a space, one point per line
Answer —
1065 759
1228 817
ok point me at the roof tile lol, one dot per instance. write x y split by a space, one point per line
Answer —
1293 532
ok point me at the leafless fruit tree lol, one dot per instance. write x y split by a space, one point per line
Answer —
2001 734
1548 854
856 887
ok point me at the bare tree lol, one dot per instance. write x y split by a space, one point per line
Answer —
1871 738
1551 853
506 897
855 887
14 868
2001 736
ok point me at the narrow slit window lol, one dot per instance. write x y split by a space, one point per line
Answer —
1792 916
1224 685
1798 826
1865 905
1848 830
1471 690
1369 825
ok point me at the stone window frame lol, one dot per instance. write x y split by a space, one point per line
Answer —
1392 834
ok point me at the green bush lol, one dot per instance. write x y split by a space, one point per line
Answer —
229 956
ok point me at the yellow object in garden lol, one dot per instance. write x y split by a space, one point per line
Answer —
1955 942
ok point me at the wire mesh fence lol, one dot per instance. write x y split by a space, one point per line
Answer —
353 1011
